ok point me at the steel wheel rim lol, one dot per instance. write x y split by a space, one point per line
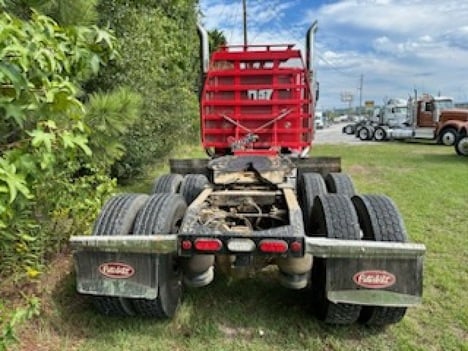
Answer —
448 139
463 146
379 134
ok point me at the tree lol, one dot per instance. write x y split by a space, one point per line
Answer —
217 39
64 12
158 49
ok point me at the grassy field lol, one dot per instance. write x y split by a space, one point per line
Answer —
430 186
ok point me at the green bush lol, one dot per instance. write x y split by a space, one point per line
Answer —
50 185
64 12
158 49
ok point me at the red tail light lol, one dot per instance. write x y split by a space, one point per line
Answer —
208 244
295 246
186 245
273 246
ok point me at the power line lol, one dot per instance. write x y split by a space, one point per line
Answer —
223 10
281 25
236 14
259 28
283 28
332 66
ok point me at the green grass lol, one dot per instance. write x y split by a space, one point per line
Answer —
428 183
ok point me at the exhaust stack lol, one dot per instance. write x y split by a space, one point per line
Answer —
310 54
204 49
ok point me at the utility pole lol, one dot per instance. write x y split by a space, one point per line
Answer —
244 5
361 82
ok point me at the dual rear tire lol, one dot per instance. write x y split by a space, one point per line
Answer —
340 214
116 218
189 186
125 214
366 133
380 134
160 213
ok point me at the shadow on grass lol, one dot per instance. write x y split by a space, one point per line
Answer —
225 309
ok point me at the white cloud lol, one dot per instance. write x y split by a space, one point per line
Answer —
264 20
457 37
398 45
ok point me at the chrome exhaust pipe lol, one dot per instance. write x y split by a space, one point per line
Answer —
310 46
310 54
204 49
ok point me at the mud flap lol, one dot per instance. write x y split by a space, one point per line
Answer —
117 274
391 282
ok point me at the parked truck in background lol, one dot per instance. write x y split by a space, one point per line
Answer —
319 118
393 114
430 118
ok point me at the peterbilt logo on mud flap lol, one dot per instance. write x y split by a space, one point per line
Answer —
116 270
374 279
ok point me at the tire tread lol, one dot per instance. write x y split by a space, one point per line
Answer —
157 217
380 221
340 183
167 183
309 186
335 215
192 186
117 217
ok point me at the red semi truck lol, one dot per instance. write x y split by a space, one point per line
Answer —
257 200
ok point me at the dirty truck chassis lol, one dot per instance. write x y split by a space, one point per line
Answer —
235 227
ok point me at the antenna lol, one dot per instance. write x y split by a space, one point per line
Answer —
244 6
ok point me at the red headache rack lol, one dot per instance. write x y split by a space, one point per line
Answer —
256 100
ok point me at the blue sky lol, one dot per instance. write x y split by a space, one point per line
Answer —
397 45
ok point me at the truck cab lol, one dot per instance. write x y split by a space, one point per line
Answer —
439 115
395 112
429 110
